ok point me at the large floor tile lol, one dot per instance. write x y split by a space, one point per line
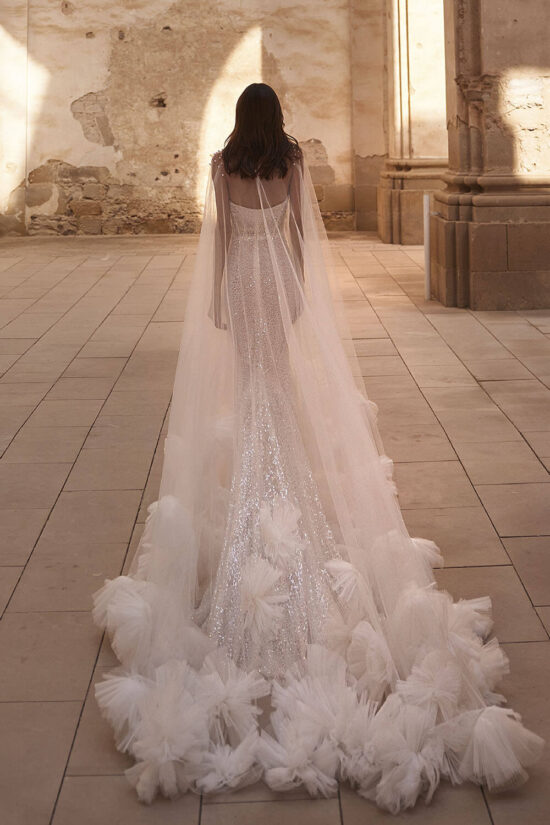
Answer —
302 811
433 484
36 737
20 530
94 750
463 426
465 535
30 325
134 431
411 432
382 365
526 689
258 792
374 346
114 468
46 656
11 419
110 800
400 386
67 388
135 403
458 398
526 403
45 445
9 577
31 486
531 558
151 492
544 615
64 576
540 442
65 413
518 509
95 368
93 515
515 619
428 375
23 393
505 368
501 462
462 805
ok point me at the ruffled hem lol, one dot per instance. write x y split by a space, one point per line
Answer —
346 714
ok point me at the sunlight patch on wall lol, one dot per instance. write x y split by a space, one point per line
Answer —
243 66
15 134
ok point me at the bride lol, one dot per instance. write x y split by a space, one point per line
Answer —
277 620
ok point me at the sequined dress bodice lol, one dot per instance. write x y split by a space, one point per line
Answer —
248 222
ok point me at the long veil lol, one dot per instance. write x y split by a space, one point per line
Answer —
395 685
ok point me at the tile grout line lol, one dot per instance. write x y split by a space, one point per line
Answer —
92 671
81 447
64 775
500 538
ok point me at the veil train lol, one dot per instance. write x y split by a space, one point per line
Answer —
278 621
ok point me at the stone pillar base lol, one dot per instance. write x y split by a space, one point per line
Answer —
400 192
491 250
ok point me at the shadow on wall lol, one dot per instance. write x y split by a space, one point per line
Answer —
167 104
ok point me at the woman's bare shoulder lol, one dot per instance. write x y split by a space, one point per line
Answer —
216 158
216 163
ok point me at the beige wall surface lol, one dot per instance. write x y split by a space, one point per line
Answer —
125 102
111 111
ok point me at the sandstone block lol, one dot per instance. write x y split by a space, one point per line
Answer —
90 225
81 174
529 245
337 198
85 207
158 226
510 290
38 193
488 247
94 190
45 173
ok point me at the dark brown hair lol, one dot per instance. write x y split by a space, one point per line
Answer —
258 144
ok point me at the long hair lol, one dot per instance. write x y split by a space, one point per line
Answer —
258 144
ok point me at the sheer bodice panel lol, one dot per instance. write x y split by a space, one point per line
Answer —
251 222
272 477
244 191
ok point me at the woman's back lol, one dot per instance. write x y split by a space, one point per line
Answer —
246 192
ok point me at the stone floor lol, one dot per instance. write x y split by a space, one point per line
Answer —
89 335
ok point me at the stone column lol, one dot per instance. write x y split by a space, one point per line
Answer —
416 117
491 229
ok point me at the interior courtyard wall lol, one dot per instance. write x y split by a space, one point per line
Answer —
121 106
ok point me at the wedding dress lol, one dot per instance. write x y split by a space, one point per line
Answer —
278 621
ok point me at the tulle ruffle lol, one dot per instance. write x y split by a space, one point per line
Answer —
391 710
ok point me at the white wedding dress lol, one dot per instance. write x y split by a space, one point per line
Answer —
278 621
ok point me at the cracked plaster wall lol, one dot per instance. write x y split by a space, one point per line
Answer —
117 96
115 108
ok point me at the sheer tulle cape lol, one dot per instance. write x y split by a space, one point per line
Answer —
402 690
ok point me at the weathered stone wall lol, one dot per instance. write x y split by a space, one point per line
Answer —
110 111
369 104
126 102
